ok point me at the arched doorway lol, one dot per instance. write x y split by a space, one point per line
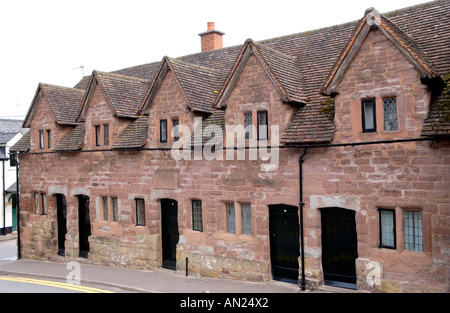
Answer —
339 247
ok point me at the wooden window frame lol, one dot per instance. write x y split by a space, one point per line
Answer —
97 135
243 225
363 115
197 205
381 245
41 140
161 123
260 113
140 220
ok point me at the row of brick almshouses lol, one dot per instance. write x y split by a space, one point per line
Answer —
362 176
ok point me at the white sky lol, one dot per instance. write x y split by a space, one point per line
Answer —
47 40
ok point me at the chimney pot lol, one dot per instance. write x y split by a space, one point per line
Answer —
211 26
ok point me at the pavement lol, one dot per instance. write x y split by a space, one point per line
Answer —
140 281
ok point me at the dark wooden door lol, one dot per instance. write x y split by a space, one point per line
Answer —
339 247
284 242
61 213
84 225
169 232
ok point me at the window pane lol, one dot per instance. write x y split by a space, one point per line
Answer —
41 139
106 134
231 220
163 131
37 210
248 125
44 204
390 114
387 228
246 216
49 139
97 136
140 212
176 132
105 208
115 208
262 125
197 222
369 115
413 230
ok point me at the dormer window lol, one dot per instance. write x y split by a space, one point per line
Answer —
101 134
390 114
368 110
41 139
176 132
45 139
163 130
263 125
97 135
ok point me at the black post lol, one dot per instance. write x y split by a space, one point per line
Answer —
187 262
301 204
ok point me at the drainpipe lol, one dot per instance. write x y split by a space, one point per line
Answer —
4 198
301 204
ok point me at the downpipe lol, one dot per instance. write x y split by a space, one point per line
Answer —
301 204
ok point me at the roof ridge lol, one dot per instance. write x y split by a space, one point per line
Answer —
336 26
416 6
194 65
134 67
60 87
287 56
121 76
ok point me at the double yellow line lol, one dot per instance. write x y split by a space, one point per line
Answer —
54 284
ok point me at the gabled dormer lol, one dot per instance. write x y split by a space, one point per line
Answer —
51 115
381 83
263 89
109 105
179 92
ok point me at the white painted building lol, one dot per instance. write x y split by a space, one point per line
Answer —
10 132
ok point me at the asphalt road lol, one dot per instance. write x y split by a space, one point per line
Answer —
8 250
17 284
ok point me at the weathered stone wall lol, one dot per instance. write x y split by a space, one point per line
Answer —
398 176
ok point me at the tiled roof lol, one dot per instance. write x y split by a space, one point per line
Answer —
134 136
438 122
200 84
286 70
283 70
23 145
215 119
63 101
423 30
124 93
72 141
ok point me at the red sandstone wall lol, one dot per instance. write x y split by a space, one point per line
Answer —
364 178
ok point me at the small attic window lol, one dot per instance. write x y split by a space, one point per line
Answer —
41 139
368 112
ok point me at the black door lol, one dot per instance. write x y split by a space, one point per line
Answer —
284 242
169 232
339 247
84 225
61 212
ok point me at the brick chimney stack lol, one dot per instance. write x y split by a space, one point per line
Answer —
211 39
